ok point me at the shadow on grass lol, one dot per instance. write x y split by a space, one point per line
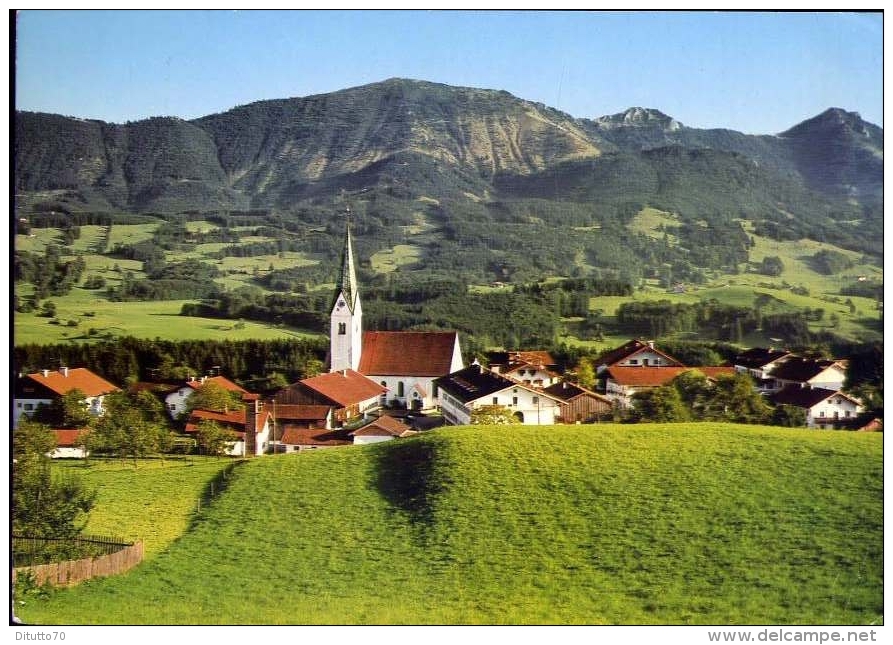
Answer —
212 490
405 477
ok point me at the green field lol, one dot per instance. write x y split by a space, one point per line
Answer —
644 524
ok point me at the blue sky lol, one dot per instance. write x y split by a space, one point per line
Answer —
754 72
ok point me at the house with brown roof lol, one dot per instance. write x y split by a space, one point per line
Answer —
348 393
176 401
534 368
300 439
622 382
383 428
826 409
827 374
579 405
635 353
760 362
44 387
404 363
476 386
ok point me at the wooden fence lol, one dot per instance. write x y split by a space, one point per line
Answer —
72 572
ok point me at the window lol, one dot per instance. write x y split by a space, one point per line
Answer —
342 328
29 406
847 414
495 400
822 413
514 400
19 404
633 361
399 388
535 400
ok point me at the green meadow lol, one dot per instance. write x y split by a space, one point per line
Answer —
601 524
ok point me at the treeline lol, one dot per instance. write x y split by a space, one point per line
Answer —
304 311
50 275
128 359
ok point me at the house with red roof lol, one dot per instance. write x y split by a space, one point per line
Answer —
535 368
579 405
251 426
348 393
404 363
44 387
622 382
70 444
176 401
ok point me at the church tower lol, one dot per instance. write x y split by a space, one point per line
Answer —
346 320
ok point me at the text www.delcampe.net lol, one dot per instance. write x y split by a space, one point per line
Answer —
791 636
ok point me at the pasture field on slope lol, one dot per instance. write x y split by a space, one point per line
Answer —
636 524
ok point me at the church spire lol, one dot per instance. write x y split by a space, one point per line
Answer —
347 280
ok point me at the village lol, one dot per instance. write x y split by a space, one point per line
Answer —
383 386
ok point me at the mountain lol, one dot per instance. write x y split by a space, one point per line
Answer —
492 168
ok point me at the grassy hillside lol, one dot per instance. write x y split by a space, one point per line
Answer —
702 524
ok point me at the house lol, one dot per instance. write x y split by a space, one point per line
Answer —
475 386
806 372
635 353
384 428
347 392
251 426
579 405
176 401
622 382
759 362
46 386
70 444
300 439
404 363
534 368
824 408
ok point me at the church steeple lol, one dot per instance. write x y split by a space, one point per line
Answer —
346 320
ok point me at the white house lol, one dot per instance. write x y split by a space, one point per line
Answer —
805 372
175 402
824 408
251 427
69 444
635 353
383 428
475 386
42 388
534 368
623 382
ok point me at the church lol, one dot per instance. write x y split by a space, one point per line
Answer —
405 363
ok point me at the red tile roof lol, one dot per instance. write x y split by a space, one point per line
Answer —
629 349
657 376
69 438
345 387
78 378
315 437
222 381
407 353
384 426
234 420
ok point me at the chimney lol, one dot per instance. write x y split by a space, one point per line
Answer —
252 409
64 371
651 344
45 373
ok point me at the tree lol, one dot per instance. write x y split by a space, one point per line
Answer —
44 505
772 266
789 416
214 439
659 405
693 389
211 396
735 399
489 415
586 373
130 427
68 411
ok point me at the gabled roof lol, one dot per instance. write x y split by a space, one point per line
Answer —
344 387
628 350
536 358
384 426
299 412
806 397
657 376
802 370
759 357
407 353
475 381
77 378
566 391
315 437
222 381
